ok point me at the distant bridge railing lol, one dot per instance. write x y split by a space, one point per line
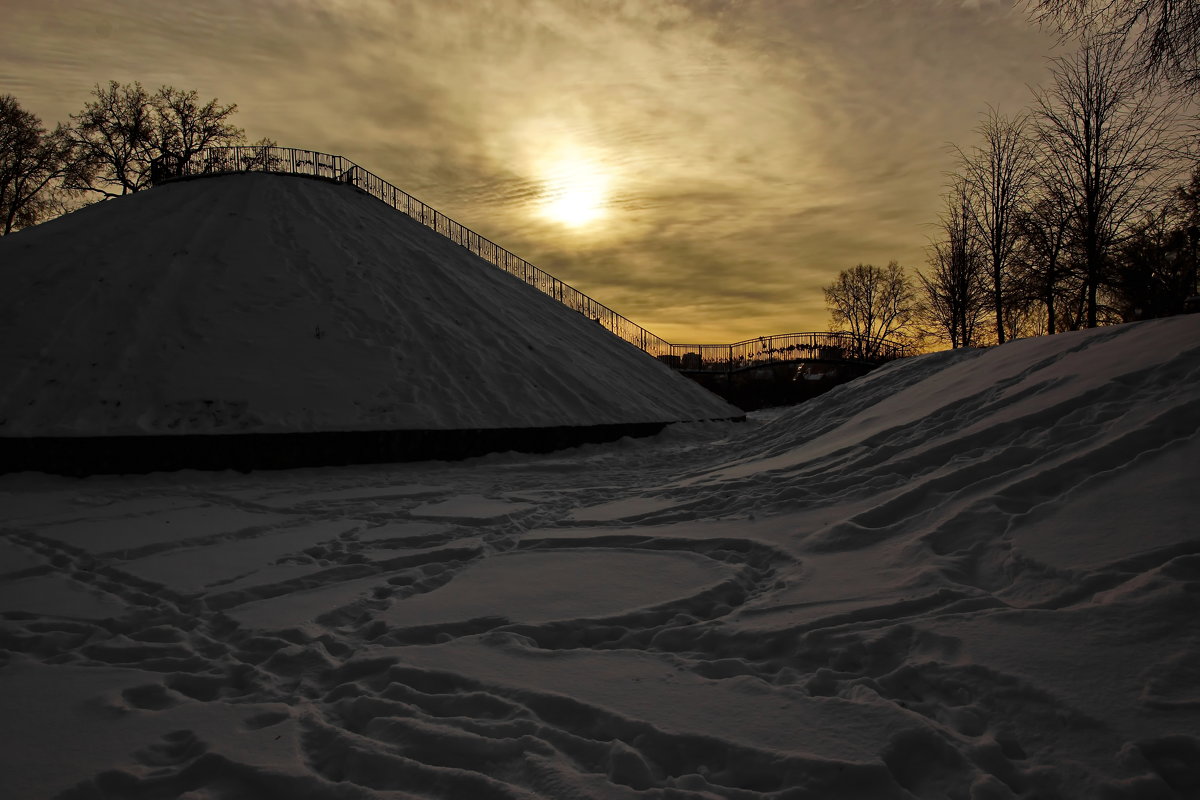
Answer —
694 357
825 346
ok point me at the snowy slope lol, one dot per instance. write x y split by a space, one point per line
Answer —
265 303
968 575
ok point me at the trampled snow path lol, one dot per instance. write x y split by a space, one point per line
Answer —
972 575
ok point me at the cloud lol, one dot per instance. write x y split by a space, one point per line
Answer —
750 149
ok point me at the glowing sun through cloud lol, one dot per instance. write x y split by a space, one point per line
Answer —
576 193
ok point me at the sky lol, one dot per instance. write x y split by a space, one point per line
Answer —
703 168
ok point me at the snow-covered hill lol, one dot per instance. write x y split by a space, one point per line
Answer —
968 575
266 303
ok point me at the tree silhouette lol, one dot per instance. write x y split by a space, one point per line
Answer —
1042 260
996 177
873 303
31 159
184 126
955 292
124 128
1104 141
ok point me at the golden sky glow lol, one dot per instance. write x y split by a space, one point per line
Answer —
575 190
702 167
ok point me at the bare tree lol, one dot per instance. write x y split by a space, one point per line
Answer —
114 134
31 159
1040 268
183 126
954 293
997 175
1164 35
1104 141
873 303
125 127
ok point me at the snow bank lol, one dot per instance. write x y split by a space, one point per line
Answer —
267 303
968 575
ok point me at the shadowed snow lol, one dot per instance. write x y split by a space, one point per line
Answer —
971 574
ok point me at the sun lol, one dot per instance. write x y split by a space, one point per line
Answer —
575 206
575 192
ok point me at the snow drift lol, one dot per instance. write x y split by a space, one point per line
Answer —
263 303
968 575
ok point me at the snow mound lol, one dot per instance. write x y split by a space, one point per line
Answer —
266 303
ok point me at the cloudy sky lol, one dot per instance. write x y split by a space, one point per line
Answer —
702 167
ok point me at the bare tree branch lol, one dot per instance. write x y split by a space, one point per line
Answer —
1163 35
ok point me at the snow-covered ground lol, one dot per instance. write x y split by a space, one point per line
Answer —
968 575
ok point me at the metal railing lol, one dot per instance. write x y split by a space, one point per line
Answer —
687 357
826 346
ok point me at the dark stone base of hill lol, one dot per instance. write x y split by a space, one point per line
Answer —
80 456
